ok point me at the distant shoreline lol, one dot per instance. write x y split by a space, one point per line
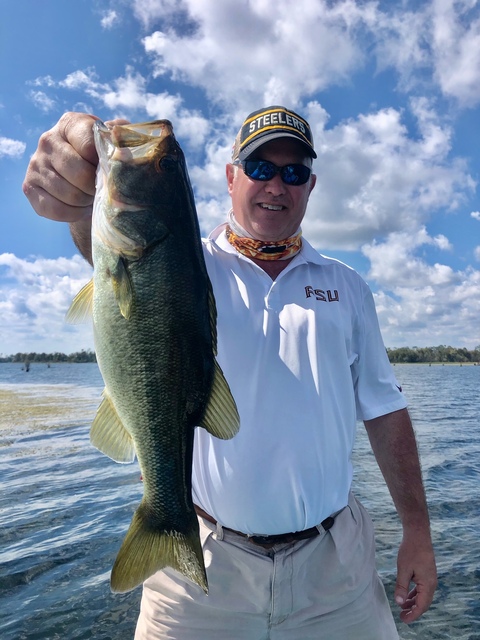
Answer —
436 356
439 364
34 363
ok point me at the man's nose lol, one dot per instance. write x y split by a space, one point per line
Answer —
275 186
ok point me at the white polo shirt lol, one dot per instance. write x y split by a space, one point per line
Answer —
304 358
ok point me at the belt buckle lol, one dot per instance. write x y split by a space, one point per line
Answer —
267 540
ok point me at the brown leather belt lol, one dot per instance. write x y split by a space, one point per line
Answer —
270 541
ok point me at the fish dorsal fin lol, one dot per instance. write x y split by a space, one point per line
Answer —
221 415
109 435
123 288
81 307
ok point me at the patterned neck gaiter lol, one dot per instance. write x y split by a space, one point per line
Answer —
248 246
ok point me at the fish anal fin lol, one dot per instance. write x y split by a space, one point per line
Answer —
109 435
81 307
145 551
221 415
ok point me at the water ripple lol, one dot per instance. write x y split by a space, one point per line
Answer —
65 507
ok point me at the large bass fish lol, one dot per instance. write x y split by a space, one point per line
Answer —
154 322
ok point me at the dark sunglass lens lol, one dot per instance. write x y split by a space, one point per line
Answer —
259 169
296 174
291 174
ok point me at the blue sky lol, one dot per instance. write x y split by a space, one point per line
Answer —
391 89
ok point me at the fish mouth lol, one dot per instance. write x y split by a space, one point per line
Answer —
129 142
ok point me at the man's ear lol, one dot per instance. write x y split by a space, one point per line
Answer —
230 171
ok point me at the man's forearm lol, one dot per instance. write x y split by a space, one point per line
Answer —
395 448
82 236
393 442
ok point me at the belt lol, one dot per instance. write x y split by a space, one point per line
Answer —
270 541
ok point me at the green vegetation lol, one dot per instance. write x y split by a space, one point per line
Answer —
440 354
79 356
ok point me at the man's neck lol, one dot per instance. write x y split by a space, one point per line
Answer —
272 267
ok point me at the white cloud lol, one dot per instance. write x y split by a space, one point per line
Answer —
429 303
290 53
127 96
476 215
109 19
373 178
128 92
437 43
86 80
431 315
42 101
393 263
11 148
150 11
401 41
442 243
35 294
82 81
476 253
43 81
211 197
245 54
456 48
249 53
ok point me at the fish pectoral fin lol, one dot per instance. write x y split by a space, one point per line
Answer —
146 550
221 417
109 435
81 307
123 288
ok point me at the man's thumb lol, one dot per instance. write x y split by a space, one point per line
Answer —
401 593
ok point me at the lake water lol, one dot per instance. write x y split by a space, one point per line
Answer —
64 507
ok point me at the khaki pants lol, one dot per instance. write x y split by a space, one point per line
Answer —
321 588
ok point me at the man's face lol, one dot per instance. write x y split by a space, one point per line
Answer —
270 210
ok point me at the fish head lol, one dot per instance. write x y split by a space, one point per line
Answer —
140 167
140 160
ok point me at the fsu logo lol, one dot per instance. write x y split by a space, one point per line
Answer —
321 295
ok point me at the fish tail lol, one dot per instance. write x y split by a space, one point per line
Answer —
146 550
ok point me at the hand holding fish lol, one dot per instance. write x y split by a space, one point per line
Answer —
60 180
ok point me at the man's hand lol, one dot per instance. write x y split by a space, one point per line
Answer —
415 564
60 179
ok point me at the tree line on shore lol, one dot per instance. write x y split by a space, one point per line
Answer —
442 354
78 356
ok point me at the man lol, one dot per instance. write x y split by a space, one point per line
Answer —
289 551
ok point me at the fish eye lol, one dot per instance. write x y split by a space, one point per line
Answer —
168 164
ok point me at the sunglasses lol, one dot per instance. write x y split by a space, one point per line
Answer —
264 170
